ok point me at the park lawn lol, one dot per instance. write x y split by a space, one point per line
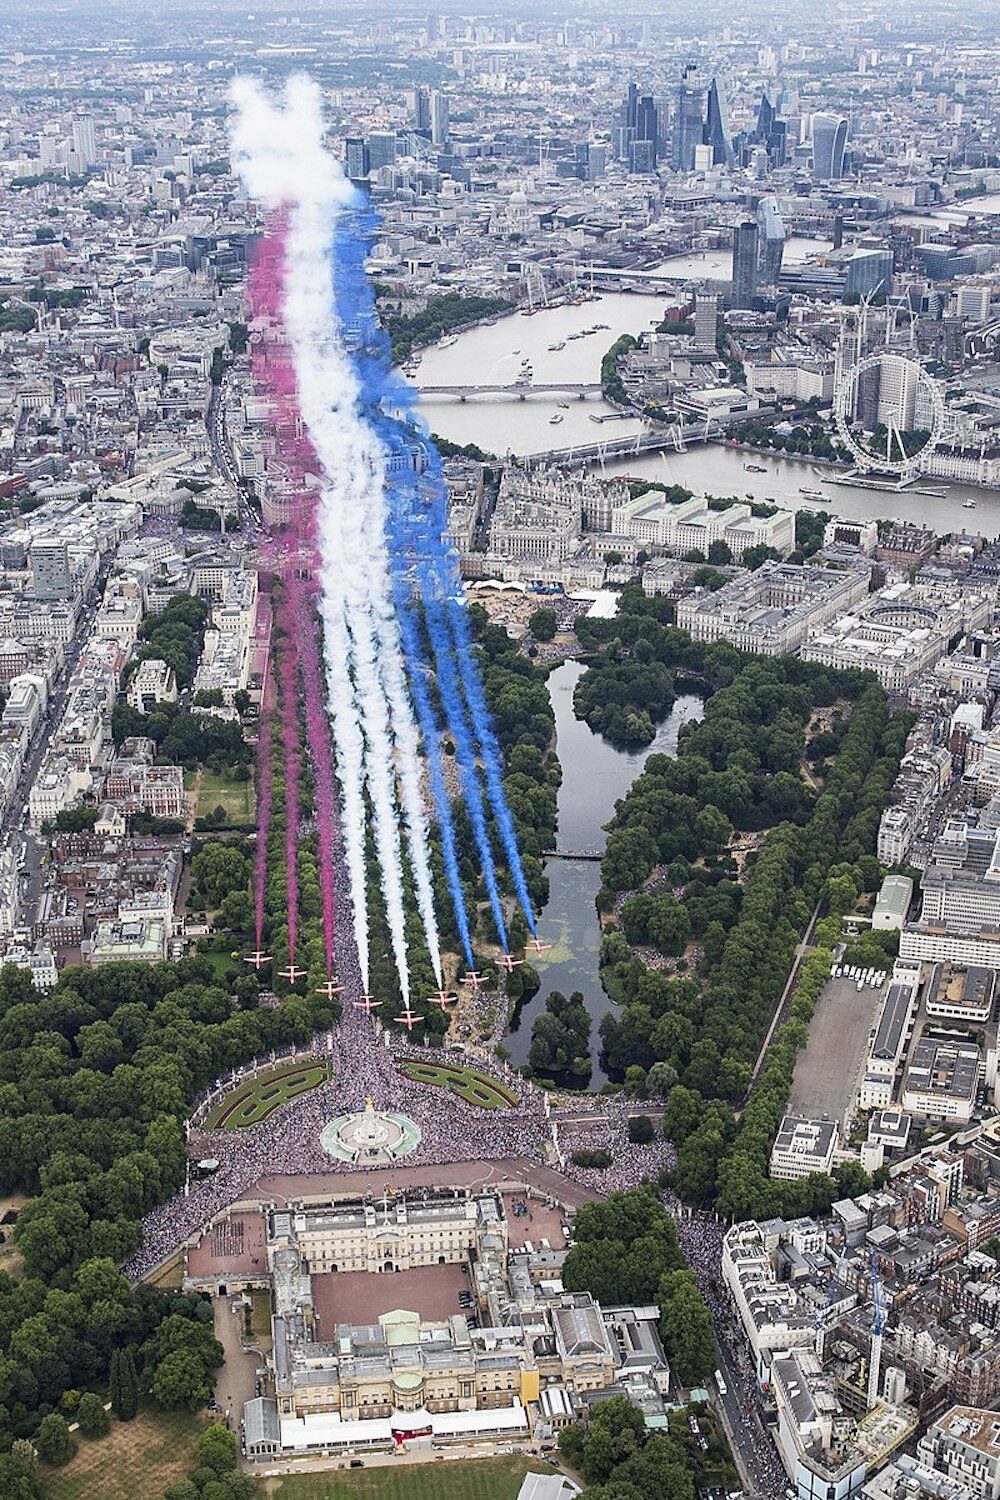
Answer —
170 1276
142 1457
260 1315
450 1479
258 1098
468 1083
223 790
222 962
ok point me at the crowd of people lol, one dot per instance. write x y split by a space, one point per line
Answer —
228 1237
608 1131
700 1235
364 1058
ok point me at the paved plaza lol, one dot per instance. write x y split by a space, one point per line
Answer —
826 1070
357 1297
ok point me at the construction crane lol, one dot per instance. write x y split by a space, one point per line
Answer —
878 1327
833 1290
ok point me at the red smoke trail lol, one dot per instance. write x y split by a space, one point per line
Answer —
290 752
321 758
263 805
292 555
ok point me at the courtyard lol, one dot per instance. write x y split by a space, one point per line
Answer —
357 1297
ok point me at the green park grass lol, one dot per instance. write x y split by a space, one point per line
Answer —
260 1315
468 1083
451 1479
224 966
257 1098
222 790
158 1446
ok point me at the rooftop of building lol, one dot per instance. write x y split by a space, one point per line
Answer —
974 1426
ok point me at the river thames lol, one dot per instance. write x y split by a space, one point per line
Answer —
500 424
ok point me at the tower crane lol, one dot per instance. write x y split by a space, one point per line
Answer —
878 1327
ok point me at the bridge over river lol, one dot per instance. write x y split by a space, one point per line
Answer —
519 391
623 446
658 439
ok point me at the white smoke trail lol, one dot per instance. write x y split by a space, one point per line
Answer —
346 542
280 154
350 748
271 150
404 728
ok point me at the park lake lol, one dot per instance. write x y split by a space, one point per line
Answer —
594 777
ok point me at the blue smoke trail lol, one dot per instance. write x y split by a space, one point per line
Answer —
411 540
427 720
458 624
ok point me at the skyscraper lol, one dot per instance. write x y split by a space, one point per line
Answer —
647 126
84 137
630 109
771 229
745 241
716 133
439 118
706 320
899 382
829 136
421 109
638 134
356 158
869 271
688 119
642 156
769 132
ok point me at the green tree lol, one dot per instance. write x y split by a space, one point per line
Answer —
560 1037
92 1417
217 1450
623 1246
17 1475
53 1440
686 1328
542 624
660 1080
181 1380
682 1113
124 1384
